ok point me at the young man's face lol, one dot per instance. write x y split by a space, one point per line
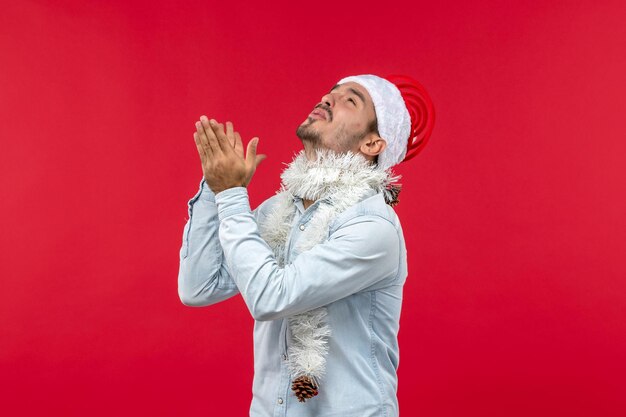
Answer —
343 118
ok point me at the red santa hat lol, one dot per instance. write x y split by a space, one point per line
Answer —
404 112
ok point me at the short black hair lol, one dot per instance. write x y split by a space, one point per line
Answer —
373 126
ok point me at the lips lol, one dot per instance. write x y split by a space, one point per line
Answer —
319 114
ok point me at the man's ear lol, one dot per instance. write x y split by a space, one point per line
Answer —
372 145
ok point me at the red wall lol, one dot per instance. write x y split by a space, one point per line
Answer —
513 214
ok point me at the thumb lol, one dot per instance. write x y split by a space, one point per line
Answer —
259 159
251 152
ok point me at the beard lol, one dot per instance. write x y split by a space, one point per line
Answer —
344 140
307 133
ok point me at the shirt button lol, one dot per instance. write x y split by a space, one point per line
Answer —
301 227
280 401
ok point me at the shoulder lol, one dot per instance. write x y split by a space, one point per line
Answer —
371 209
372 231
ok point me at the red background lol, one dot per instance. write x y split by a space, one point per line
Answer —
513 214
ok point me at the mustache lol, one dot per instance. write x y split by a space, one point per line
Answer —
326 109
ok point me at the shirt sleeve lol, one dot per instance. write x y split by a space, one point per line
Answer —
360 253
203 278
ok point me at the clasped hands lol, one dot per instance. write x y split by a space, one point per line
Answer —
224 164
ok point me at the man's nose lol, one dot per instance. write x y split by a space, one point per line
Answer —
329 99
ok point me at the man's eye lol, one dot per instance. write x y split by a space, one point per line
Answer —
352 100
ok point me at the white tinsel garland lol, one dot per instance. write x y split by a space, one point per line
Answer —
339 181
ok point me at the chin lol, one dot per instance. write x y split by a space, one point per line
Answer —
306 132
308 121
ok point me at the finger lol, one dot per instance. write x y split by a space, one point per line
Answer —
238 144
210 135
230 134
221 139
201 151
202 138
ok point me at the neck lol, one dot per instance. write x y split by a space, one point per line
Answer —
310 152
307 203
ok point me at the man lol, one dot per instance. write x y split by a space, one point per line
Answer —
320 265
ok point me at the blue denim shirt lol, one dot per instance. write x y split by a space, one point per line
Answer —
357 273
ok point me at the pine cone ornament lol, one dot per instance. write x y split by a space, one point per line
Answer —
304 388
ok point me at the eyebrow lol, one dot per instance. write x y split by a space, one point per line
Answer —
353 91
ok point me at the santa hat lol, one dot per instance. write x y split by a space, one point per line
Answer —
404 112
